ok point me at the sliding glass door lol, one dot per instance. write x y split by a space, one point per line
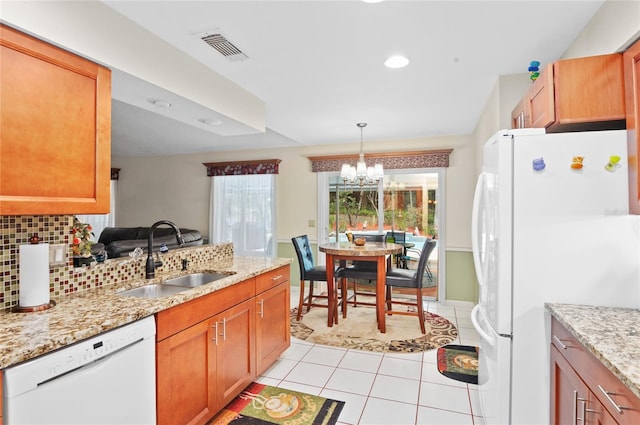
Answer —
407 206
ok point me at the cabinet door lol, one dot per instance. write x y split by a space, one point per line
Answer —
589 89
595 412
568 393
273 329
541 100
55 155
186 376
631 59
235 347
521 116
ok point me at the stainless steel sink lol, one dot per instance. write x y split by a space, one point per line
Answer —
153 291
195 279
173 286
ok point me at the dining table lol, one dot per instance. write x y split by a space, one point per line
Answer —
371 251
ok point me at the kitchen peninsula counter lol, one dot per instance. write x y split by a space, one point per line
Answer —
75 317
611 334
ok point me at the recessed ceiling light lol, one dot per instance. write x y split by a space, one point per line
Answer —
209 121
396 62
372 1
160 103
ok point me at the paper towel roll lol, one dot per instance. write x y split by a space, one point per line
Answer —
34 275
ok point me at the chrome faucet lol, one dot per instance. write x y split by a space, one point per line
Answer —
151 264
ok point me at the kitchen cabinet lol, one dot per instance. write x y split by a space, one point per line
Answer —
208 349
273 335
631 59
583 389
573 400
575 95
521 115
234 342
55 155
185 376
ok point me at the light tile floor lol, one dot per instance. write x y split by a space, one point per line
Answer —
382 388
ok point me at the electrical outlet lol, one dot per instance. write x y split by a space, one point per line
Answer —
312 223
57 255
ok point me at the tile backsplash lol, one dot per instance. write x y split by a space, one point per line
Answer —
65 279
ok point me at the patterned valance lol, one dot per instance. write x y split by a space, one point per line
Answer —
115 173
237 168
390 161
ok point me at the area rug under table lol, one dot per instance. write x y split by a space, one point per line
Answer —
261 404
360 331
459 362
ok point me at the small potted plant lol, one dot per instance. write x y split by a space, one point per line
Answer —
81 245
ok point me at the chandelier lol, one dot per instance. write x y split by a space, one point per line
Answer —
361 174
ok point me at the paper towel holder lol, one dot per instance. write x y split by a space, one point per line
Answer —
33 309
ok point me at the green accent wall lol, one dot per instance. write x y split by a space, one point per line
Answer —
461 276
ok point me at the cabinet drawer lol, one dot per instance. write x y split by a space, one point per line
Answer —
270 279
598 378
570 348
182 316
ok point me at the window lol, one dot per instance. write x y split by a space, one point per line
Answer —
407 201
243 212
99 221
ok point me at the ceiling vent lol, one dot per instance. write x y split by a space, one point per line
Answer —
225 47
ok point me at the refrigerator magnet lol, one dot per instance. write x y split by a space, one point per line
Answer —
538 164
613 163
576 162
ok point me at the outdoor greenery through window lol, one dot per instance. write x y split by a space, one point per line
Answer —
408 205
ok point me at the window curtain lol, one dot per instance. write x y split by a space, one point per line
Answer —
243 211
99 221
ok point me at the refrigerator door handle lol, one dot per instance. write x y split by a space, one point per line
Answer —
475 225
476 324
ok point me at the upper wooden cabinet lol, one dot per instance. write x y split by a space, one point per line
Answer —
55 129
575 95
632 98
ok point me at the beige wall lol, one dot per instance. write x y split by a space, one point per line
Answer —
612 29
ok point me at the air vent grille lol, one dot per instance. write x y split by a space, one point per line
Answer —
225 47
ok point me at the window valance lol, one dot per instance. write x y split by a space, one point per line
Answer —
392 160
236 168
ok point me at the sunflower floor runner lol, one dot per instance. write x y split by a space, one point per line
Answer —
459 362
261 404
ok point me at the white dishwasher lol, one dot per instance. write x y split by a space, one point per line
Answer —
106 379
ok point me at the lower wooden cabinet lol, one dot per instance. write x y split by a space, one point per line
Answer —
573 402
186 376
211 348
234 348
273 335
1 384
583 390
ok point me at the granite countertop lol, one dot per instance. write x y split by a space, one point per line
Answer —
611 334
24 336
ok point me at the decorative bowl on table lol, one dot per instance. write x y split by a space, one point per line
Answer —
360 241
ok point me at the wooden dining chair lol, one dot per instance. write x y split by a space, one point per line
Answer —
409 279
310 272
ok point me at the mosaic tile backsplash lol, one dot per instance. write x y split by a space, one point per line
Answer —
65 279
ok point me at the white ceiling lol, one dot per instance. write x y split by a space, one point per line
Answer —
318 66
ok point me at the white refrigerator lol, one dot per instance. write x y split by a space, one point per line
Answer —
550 224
